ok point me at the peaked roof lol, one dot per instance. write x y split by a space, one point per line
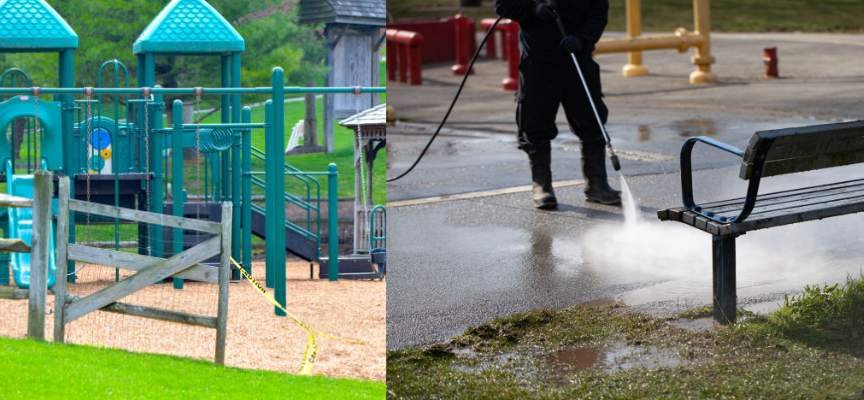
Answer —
189 26
357 12
34 24
373 116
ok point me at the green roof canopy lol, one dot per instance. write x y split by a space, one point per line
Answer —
189 26
34 25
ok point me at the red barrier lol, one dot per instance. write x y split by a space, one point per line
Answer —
464 33
511 46
437 35
492 42
405 54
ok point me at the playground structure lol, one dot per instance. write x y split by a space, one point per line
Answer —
110 140
463 37
369 257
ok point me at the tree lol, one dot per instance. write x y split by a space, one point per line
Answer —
108 28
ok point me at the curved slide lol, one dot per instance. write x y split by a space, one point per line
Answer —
21 227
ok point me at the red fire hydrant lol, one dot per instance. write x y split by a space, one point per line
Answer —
769 57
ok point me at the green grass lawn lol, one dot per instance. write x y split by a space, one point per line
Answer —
667 15
812 347
44 370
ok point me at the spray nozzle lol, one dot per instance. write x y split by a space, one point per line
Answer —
616 164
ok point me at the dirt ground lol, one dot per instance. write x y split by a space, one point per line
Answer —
257 338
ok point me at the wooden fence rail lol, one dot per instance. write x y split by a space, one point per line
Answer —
148 270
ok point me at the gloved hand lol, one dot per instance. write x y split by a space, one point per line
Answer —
543 12
573 44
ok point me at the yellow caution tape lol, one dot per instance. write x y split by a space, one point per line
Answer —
311 347
311 351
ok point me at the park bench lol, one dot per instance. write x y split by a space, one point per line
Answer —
770 153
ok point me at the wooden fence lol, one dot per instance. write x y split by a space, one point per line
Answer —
148 270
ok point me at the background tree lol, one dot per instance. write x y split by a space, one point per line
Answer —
108 28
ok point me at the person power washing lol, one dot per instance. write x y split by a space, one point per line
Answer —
555 36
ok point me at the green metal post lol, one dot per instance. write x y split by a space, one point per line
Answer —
152 147
332 222
268 200
177 178
247 192
67 80
237 115
220 175
156 148
276 187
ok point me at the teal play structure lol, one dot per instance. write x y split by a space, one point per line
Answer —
21 226
130 146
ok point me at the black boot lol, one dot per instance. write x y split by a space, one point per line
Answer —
594 170
541 176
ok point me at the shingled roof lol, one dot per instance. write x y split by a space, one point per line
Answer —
189 26
356 12
32 25
374 116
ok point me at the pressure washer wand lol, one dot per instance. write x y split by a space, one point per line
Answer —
612 156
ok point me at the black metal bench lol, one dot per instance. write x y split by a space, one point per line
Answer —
771 153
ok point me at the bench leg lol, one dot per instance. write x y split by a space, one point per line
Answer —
725 297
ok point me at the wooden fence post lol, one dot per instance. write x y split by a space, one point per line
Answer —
224 278
42 187
62 241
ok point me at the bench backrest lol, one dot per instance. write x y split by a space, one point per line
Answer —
807 148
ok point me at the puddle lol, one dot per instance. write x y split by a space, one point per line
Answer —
617 356
560 366
574 359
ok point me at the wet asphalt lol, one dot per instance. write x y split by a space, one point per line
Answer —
459 263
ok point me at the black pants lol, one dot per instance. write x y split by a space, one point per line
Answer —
544 85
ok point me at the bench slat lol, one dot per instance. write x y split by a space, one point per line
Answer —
770 201
805 148
776 209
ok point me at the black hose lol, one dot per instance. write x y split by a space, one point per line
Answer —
452 104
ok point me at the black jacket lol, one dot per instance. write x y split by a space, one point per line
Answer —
540 40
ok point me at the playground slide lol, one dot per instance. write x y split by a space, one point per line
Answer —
21 227
295 243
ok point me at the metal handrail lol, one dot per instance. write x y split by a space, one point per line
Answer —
379 209
308 204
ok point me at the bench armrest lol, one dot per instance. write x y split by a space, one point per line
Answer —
752 187
687 164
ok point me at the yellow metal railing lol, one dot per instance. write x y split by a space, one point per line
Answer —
682 40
